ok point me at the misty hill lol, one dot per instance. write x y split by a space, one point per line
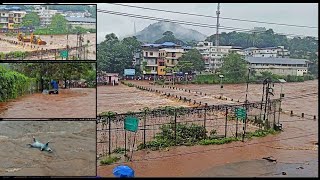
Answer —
155 31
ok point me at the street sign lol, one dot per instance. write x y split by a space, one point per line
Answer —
131 123
64 54
241 113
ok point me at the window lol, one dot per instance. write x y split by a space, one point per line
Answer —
151 53
146 54
168 61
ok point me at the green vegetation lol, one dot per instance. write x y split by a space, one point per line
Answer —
169 37
191 61
30 20
234 68
235 71
14 84
186 135
297 46
15 54
62 71
114 55
218 141
119 150
261 133
109 160
193 134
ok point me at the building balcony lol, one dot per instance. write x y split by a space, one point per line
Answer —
152 65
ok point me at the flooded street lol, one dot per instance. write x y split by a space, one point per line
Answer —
72 143
295 149
53 42
69 103
122 99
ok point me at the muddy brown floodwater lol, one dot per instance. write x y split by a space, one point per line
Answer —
122 99
53 42
73 145
69 103
295 148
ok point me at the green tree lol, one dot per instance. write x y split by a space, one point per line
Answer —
234 68
59 23
114 55
191 61
169 37
31 19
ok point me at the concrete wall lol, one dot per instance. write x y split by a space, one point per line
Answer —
283 71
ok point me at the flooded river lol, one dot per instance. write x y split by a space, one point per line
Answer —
295 149
69 103
73 145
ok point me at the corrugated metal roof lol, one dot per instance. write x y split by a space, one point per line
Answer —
168 44
81 19
273 60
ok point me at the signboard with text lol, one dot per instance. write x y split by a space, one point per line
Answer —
129 72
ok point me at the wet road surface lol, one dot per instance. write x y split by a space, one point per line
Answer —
294 147
73 145
122 99
69 103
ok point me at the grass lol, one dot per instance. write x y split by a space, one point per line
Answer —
109 160
119 150
261 133
218 141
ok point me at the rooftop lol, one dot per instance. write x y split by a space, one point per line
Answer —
81 19
171 50
165 44
273 60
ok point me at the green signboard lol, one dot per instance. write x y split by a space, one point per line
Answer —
64 54
131 123
241 113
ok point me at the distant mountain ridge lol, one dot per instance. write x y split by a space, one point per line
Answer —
155 31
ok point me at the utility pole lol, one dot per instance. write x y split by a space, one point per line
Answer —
246 103
217 29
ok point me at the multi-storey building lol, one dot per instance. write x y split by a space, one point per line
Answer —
168 57
9 17
45 14
77 14
267 52
212 55
156 57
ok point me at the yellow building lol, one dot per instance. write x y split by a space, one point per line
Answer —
169 58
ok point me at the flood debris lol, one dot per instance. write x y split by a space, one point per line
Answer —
284 173
270 158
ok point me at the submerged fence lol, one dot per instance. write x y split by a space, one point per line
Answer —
221 118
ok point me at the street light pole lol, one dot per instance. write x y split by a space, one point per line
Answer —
246 103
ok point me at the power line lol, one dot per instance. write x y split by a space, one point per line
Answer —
227 18
189 23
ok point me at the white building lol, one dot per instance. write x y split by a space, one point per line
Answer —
213 56
45 14
266 52
279 66
77 14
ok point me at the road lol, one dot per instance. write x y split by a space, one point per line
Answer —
69 103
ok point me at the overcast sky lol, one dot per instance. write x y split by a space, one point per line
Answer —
287 13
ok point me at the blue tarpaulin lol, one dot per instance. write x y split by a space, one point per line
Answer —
123 171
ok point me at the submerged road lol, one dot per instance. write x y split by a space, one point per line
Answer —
295 148
69 103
